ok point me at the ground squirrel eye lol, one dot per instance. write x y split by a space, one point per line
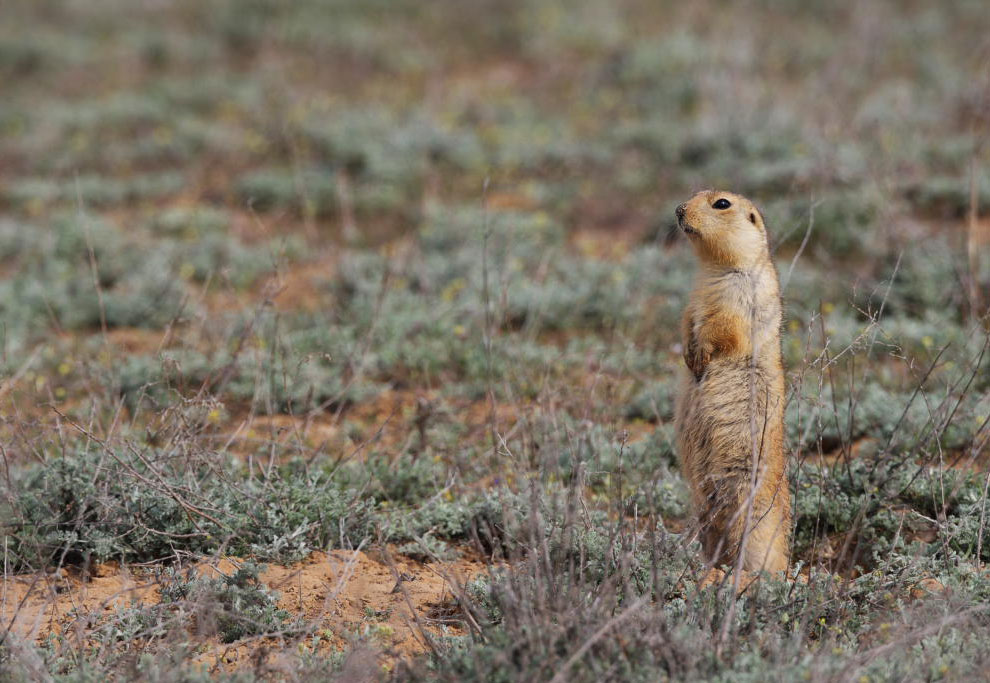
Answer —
752 218
721 204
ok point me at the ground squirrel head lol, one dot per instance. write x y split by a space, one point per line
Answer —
726 229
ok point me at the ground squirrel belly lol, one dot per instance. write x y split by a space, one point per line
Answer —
730 405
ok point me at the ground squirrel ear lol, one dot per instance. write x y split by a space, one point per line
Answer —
756 218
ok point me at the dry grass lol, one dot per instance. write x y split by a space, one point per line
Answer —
373 290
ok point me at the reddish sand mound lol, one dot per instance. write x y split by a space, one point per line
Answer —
395 601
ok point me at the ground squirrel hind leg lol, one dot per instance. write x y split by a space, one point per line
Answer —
767 544
722 531
764 548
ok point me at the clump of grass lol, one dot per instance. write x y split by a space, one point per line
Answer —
94 190
837 224
948 195
542 372
190 223
604 599
313 190
234 606
140 504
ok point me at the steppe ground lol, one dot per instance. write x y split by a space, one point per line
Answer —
339 339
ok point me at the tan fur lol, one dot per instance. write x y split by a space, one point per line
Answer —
730 405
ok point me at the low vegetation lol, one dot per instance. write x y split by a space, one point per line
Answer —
287 279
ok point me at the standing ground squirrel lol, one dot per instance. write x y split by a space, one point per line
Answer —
730 406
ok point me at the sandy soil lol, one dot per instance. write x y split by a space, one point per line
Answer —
401 604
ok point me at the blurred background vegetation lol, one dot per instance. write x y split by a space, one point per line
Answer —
288 276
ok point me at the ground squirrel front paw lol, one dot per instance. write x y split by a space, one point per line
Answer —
697 357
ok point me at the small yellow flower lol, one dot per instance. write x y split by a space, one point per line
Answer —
64 368
162 135
459 331
229 110
452 289
380 631
186 271
60 393
213 417
255 142
297 113
79 141
828 307
927 342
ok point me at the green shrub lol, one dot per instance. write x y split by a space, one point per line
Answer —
236 605
143 505
947 195
312 190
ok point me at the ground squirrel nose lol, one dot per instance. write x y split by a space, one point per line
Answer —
679 211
